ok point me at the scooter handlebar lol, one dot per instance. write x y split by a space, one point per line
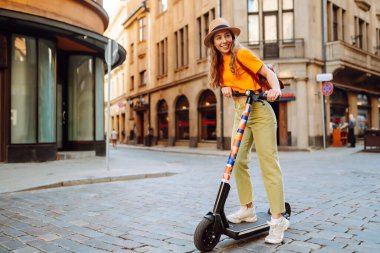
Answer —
258 96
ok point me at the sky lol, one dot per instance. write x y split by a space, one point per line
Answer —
110 6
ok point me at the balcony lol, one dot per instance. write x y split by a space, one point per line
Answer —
339 53
279 49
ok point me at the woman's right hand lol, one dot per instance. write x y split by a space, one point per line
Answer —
227 92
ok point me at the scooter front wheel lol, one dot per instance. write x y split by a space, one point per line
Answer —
207 235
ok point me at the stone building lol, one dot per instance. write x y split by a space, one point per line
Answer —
51 78
161 94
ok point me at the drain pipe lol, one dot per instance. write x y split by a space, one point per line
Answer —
220 93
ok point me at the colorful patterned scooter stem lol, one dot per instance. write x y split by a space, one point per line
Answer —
236 144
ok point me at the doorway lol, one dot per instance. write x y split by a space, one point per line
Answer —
140 129
62 117
280 109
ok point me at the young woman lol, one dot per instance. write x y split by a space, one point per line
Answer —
231 67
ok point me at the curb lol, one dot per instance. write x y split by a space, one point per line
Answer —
97 180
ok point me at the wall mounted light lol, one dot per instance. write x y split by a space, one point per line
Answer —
130 102
142 100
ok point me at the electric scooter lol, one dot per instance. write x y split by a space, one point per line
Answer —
215 223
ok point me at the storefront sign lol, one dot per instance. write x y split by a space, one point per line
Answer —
327 88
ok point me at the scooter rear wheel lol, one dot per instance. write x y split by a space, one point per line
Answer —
207 235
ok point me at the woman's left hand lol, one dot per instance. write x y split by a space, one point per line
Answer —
273 94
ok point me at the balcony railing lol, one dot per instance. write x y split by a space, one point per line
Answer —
279 49
346 53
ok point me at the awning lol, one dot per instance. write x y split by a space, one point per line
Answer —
287 94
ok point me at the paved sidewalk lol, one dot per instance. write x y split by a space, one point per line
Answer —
27 176
334 195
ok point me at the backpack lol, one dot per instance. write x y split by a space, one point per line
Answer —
261 80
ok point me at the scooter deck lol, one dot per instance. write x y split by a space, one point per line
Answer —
246 229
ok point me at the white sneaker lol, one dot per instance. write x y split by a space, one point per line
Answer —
244 214
276 231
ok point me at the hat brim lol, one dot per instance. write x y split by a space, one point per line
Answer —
207 40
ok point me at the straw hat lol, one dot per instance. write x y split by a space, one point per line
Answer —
217 25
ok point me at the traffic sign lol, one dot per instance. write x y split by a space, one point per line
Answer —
111 57
327 88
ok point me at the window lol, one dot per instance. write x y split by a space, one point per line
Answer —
143 78
364 114
163 120
270 26
335 23
287 21
33 90
81 98
361 31
162 57
377 47
163 5
23 90
270 14
132 84
142 29
182 47
46 91
131 53
203 22
99 94
182 119
253 22
207 111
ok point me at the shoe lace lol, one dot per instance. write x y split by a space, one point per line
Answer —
274 229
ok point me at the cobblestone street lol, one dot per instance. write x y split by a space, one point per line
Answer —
334 194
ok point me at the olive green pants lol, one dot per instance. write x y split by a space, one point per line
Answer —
261 127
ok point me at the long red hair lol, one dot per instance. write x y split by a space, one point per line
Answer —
216 62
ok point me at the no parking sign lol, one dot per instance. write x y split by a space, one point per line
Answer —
327 88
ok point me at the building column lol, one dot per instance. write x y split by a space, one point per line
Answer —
172 127
353 106
302 114
193 131
374 112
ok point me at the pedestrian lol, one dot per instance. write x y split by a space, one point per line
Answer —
114 138
351 130
231 69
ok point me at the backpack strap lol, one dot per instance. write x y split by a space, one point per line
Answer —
259 79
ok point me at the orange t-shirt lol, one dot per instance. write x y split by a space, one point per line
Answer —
242 81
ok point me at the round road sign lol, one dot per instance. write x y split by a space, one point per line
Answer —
327 88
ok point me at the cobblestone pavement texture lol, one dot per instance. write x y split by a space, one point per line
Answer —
335 198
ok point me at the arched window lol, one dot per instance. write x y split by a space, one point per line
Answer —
163 120
207 111
182 118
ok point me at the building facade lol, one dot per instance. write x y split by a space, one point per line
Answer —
161 92
51 78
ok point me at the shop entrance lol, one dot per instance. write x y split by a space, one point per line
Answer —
62 118
140 129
